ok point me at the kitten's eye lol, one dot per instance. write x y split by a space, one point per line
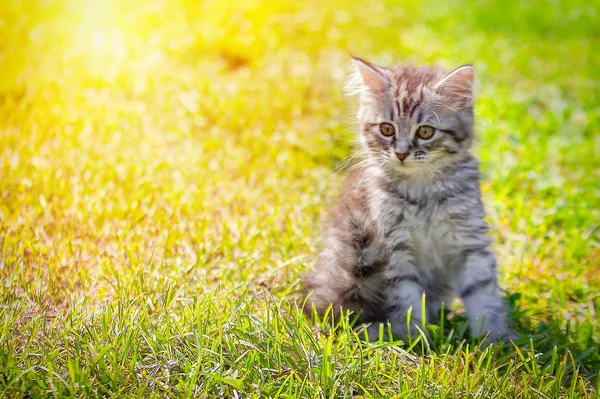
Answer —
425 132
387 129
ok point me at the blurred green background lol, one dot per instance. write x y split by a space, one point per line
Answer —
166 166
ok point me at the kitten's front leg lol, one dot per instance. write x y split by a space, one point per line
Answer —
404 295
478 288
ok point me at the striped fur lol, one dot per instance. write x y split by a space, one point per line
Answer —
404 228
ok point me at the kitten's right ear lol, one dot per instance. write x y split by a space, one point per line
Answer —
370 77
458 85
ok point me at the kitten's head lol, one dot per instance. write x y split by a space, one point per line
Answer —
414 120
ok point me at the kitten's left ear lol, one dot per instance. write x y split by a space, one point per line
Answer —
458 85
371 77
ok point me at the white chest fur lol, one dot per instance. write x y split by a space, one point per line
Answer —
432 245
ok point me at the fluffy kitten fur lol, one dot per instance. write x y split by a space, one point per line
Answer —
410 218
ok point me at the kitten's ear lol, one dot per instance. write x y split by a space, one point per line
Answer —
369 77
458 85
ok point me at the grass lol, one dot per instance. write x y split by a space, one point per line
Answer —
165 169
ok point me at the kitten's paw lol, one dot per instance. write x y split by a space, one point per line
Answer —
375 332
508 335
389 332
504 334
411 332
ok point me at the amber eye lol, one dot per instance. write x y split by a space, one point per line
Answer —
387 129
425 132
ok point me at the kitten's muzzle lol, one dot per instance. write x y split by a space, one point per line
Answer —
403 156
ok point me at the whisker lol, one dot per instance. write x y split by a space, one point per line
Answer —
439 173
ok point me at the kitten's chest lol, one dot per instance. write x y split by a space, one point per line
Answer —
432 244
429 233
423 218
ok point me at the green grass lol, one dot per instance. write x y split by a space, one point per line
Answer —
165 169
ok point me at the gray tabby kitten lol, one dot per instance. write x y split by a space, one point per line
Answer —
410 218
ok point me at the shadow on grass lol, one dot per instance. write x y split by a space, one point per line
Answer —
544 346
550 337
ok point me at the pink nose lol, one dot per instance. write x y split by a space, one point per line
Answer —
402 157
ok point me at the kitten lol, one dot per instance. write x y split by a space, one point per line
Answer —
410 220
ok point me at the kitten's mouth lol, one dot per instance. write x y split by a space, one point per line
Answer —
403 167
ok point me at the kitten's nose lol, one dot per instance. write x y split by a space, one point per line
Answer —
402 157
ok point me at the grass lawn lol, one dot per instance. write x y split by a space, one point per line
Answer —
166 168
